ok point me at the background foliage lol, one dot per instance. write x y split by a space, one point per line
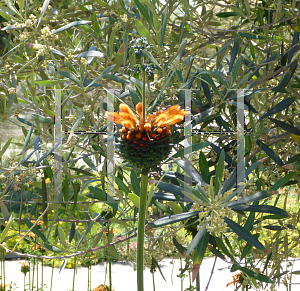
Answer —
213 48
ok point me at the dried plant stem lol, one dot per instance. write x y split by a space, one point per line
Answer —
212 271
141 232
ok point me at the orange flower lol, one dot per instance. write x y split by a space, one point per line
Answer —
128 119
146 140
236 279
102 287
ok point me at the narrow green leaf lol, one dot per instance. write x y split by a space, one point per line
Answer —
200 234
62 237
150 195
44 8
175 207
270 153
179 247
77 122
282 181
201 249
112 39
135 183
244 234
5 147
169 219
119 58
90 163
135 97
90 54
251 35
142 30
72 232
143 10
163 26
112 250
235 70
135 199
74 23
279 107
250 198
219 172
191 149
234 53
82 171
150 57
44 199
286 126
190 170
222 49
203 166
41 118
226 14
257 276
71 77
288 76
102 196
6 229
50 83
34 229
122 186
224 249
261 208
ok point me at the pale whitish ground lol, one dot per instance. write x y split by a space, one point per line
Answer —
124 277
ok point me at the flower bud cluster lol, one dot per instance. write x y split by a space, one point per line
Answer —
87 108
46 32
30 21
11 90
39 175
24 35
139 44
18 181
124 18
84 61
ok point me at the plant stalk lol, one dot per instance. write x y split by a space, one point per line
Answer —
141 232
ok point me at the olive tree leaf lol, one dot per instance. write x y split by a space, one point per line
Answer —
245 234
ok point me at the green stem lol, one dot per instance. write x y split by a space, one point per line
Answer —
153 281
198 282
109 271
37 274
181 279
74 274
3 267
141 231
52 275
42 273
33 274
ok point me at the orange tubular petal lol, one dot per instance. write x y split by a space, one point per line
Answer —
125 108
113 116
125 115
147 127
173 120
127 123
139 109
150 117
173 109
157 119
